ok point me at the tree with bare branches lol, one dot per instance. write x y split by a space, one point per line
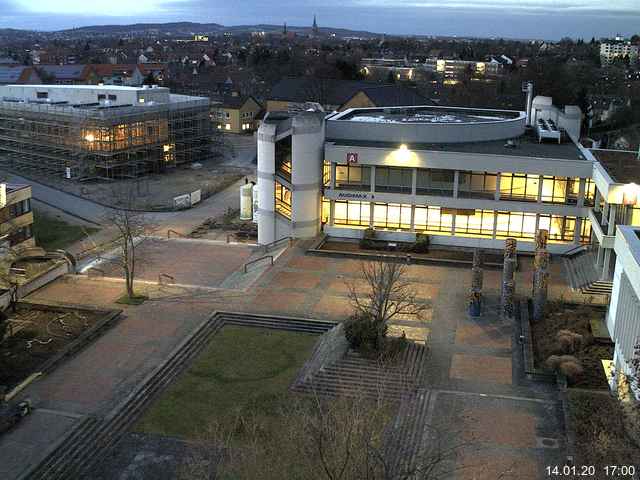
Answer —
344 438
386 295
132 226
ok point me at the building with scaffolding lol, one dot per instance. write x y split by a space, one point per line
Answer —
88 131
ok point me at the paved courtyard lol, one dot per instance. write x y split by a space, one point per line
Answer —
474 374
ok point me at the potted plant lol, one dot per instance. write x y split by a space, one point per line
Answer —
475 303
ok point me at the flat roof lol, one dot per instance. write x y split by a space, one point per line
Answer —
89 87
526 145
426 114
623 166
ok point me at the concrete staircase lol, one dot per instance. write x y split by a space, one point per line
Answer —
583 275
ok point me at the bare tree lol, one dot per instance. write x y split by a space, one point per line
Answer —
132 226
387 294
320 438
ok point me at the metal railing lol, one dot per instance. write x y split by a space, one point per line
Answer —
167 277
265 248
244 267
176 233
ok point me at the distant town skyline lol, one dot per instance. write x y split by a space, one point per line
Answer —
547 19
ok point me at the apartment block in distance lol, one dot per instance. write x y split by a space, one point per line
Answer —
618 47
91 131
16 217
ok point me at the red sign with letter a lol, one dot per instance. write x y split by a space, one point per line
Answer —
352 157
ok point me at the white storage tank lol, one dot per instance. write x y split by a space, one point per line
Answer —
255 204
246 201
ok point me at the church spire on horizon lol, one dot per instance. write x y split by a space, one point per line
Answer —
315 24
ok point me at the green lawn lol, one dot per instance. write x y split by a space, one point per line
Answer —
242 369
52 233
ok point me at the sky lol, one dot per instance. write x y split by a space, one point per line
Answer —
546 19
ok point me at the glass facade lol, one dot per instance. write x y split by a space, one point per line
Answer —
283 200
435 182
519 186
350 177
477 185
391 179
352 213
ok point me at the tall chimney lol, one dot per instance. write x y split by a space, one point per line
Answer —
527 87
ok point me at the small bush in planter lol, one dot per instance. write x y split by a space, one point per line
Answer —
368 239
365 334
421 245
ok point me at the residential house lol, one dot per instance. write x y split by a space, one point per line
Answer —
16 217
236 113
19 75
68 74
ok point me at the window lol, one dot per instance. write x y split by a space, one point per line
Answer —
519 186
585 232
20 208
392 216
351 213
432 219
283 200
560 190
561 229
283 158
589 193
478 223
477 184
435 182
42 95
20 235
101 96
351 177
227 115
113 98
390 179
516 224
326 210
326 173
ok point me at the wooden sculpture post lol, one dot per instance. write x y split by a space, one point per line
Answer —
508 277
540 274
475 296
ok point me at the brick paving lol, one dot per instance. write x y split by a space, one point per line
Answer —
472 370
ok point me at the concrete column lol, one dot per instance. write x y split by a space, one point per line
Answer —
332 211
497 196
266 183
456 178
414 181
373 179
596 201
611 229
605 213
371 214
307 149
599 256
413 217
540 188
606 265
333 176
576 233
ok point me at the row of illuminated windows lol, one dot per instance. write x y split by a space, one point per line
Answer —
513 186
443 220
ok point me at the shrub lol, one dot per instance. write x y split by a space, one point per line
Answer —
568 341
365 334
568 365
421 245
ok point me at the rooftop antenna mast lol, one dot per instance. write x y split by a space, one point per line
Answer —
527 87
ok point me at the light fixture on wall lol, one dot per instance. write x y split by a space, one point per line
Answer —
630 194
403 154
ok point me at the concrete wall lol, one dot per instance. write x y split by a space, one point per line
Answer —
266 186
79 94
426 132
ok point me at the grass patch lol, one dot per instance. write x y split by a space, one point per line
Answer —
52 233
242 369
600 436
135 300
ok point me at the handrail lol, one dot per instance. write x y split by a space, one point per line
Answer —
575 249
244 267
167 276
268 246
170 231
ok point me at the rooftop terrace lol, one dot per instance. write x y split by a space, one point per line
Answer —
426 114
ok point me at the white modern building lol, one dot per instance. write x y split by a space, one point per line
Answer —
465 177
623 316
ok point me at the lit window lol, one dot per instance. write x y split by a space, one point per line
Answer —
283 200
227 126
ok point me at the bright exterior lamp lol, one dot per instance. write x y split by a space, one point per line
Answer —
403 154
90 137
630 194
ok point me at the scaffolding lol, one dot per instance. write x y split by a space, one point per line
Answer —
104 142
